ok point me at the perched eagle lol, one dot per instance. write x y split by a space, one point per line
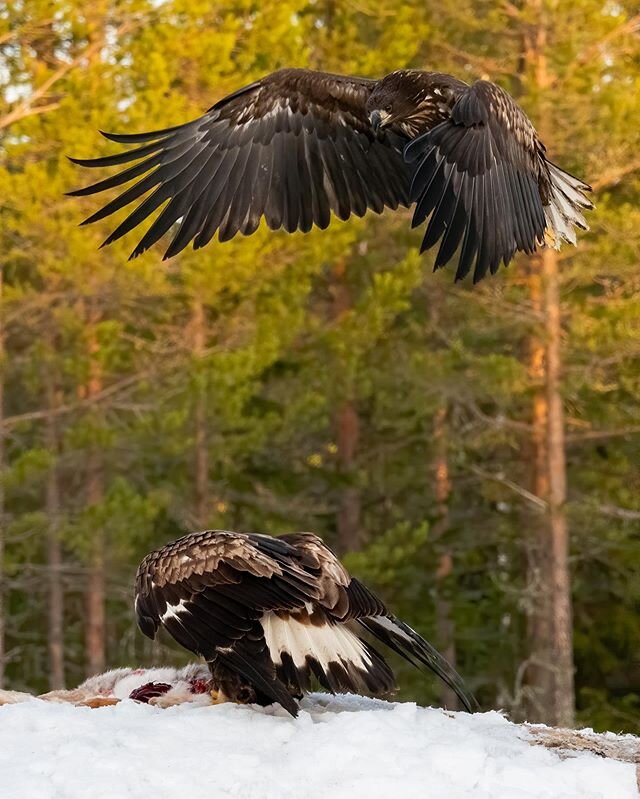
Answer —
268 614
299 145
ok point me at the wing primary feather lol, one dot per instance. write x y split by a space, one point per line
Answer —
276 193
291 179
304 182
442 212
134 138
164 191
429 197
473 232
215 199
117 159
454 232
122 177
236 197
411 645
339 198
194 217
179 204
321 211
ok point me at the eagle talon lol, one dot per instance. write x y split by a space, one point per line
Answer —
216 698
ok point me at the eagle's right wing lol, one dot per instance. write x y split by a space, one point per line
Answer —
293 147
482 177
348 601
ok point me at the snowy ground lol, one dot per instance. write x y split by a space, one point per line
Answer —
338 748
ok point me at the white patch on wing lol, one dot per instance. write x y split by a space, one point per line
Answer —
172 611
326 643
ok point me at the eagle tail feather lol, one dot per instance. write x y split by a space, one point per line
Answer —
564 212
412 647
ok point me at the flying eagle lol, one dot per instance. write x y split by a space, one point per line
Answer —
269 614
298 145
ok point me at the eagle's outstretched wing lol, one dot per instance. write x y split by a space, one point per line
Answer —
292 147
482 177
277 611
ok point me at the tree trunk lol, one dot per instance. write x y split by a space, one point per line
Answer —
55 609
347 425
95 632
201 452
3 588
540 679
560 569
552 631
442 489
348 433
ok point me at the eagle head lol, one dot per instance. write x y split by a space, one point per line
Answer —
409 100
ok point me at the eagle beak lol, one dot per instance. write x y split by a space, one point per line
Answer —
378 119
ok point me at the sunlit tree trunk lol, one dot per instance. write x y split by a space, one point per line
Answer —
55 598
442 490
347 426
552 545
95 632
349 509
3 586
557 497
540 678
201 452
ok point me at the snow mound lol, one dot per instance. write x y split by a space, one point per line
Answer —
343 747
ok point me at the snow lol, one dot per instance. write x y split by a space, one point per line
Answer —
343 747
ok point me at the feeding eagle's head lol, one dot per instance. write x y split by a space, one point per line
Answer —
270 614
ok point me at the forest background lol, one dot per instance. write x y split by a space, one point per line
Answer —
473 452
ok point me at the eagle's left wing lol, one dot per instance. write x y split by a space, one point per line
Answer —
293 147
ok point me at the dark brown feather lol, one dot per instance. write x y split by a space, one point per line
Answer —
482 172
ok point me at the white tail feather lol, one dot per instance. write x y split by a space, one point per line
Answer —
325 643
563 213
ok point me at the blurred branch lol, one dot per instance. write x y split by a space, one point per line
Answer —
596 435
616 512
497 421
20 31
614 175
483 65
518 489
28 106
631 25
127 382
